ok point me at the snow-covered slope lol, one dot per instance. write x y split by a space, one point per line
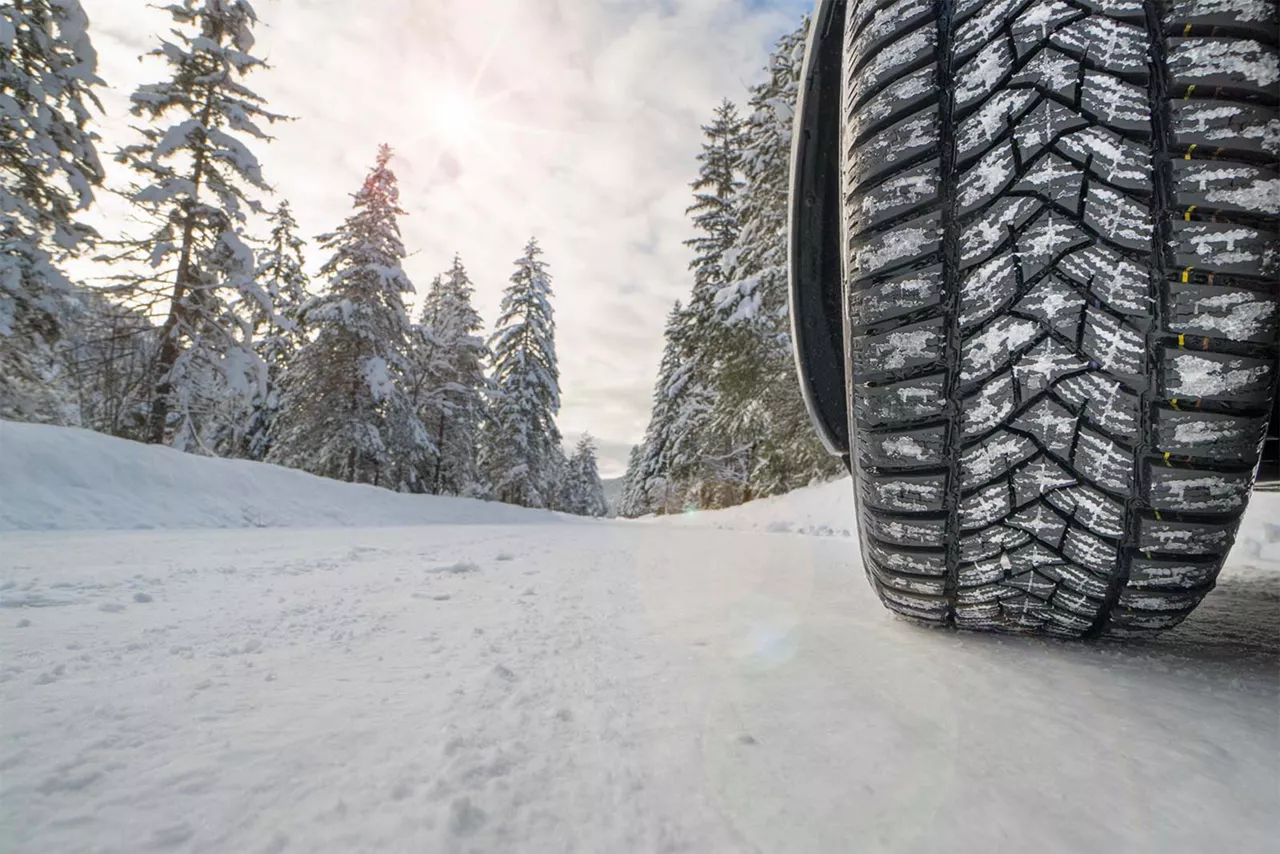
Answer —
54 478
591 687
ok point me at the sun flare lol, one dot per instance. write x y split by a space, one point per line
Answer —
455 117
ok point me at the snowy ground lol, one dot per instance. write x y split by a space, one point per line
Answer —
547 685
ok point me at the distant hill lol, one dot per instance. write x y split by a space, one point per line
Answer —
613 492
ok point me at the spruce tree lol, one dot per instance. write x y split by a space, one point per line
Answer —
658 477
584 493
278 326
759 403
345 413
523 442
634 501
449 383
702 461
197 180
49 166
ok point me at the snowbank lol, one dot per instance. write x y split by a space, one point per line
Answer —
822 511
55 478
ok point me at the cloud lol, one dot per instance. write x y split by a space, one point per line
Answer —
587 114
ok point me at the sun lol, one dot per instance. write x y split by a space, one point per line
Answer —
455 117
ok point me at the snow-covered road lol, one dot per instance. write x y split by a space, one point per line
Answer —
600 687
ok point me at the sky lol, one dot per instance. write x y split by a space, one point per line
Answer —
575 121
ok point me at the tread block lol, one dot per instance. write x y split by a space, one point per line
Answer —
1243 127
990 406
907 531
1194 491
1042 522
1209 435
881 300
996 540
1214 376
1233 313
1121 284
1239 187
886 150
1117 347
1104 462
1226 13
994 456
894 197
1080 581
907 562
985 507
913 448
892 62
898 403
907 347
900 98
1116 103
1118 218
1052 425
1226 247
987 178
1045 364
1164 536
904 493
904 244
983 353
991 119
1055 304
1110 155
1086 549
1053 179
1103 401
1119 47
1039 478
1167 574
1211 62
1094 509
979 77
993 227
987 288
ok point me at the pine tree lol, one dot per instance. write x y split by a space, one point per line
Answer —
583 492
449 385
345 413
662 443
702 461
278 326
198 178
49 166
758 402
523 441
635 500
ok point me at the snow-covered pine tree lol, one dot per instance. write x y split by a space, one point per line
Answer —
657 480
758 402
584 493
703 460
279 326
344 413
48 168
449 384
634 501
197 176
522 447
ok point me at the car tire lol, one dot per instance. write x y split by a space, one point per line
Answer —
1060 257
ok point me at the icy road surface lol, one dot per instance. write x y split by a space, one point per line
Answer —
601 687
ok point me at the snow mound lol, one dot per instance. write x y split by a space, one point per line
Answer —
58 478
826 510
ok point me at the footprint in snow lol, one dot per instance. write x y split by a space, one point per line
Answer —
505 557
465 818
110 608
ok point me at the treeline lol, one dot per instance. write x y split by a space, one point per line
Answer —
728 421
211 337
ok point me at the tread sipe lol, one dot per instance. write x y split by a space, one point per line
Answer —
1060 229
